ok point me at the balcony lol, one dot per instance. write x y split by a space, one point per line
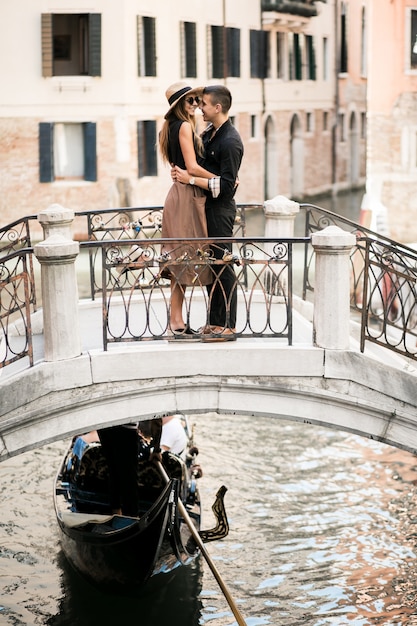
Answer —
303 8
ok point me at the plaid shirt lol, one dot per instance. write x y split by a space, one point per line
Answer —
214 186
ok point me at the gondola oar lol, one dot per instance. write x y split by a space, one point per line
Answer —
200 544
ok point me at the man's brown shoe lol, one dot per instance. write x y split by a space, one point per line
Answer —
206 329
218 333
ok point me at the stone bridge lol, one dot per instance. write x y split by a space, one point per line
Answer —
322 378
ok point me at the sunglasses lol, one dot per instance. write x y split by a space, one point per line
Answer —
191 100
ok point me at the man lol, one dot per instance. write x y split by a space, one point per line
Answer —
223 157
173 436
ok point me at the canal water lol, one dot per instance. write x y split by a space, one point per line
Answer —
323 530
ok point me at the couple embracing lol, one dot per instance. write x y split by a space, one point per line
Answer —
200 203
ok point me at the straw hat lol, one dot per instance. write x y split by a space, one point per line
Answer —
179 90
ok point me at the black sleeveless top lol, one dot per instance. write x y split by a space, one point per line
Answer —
174 148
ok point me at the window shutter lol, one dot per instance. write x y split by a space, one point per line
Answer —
311 58
150 133
46 152
94 47
47 48
343 39
233 51
413 40
141 144
140 45
297 58
147 159
217 46
254 54
90 151
190 49
150 46
258 53
265 45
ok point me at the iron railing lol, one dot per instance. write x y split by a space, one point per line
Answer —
389 311
383 280
136 288
17 237
139 223
16 300
383 275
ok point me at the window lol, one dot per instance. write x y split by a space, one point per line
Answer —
413 40
295 57
342 133
253 126
71 44
363 125
364 69
225 52
311 58
147 162
325 121
259 53
309 122
325 58
343 63
146 41
67 151
280 55
188 40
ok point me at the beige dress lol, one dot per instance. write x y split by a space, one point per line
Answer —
184 216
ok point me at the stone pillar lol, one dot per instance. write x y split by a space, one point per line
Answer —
57 254
331 318
280 213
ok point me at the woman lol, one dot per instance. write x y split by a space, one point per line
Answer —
184 208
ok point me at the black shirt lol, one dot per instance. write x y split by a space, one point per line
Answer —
223 156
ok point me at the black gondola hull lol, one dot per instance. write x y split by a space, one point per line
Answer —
118 552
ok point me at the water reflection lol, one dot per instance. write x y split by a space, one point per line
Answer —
84 605
322 532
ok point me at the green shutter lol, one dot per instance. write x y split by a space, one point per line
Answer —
94 47
233 51
151 161
217 51
149 45
90 151
147 157
190 49
254 53
46 152
297 58
141 144
311 59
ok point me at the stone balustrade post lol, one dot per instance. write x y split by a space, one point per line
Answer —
56 255
280 214
331 317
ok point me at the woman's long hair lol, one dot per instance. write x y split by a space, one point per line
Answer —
178 113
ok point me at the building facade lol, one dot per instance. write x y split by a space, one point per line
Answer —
392 115
83 97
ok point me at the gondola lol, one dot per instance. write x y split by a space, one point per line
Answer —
120 552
